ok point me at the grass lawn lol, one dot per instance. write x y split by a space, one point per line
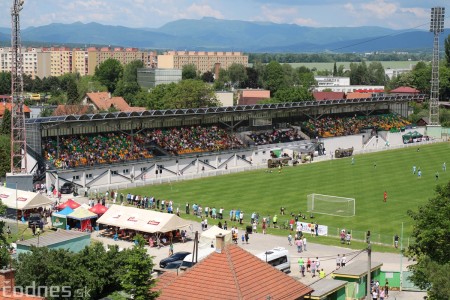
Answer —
321 66
266 192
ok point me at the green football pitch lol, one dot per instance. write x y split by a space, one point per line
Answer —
265 192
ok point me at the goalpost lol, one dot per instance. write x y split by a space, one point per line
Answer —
331 205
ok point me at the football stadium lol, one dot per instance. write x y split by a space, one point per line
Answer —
178 155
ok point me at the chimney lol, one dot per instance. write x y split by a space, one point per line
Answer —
7 281
220 243
216 71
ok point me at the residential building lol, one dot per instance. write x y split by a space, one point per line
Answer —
320 96
329 81
29 59
149 78
231 273
123 55
102 101
60 60
225 98
80 62
351 88
7 106
203 60
404 91
252 96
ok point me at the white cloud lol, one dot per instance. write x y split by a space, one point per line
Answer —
203 10
279 14
417 11
380 9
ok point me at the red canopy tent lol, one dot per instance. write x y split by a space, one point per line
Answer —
70 203
98 209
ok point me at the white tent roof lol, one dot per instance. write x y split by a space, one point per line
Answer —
141 219
25 200
210 235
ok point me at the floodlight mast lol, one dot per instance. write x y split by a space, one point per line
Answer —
436 27
18 138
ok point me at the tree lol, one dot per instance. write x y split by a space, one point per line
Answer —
252 80
237 74
157 97
5 150
72 92
138 265
447 50
273 77
128 90
335 70
108 73
292 94
130 70
190 93
6 123
208 76
429 247
89 84
5 83
189 72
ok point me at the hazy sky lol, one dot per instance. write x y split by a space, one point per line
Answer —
397 14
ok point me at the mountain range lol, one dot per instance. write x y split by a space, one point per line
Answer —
231 35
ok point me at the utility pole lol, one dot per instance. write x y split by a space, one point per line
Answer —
369 269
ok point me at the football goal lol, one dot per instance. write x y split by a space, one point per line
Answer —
331 205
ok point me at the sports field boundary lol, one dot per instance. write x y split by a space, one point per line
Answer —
232 170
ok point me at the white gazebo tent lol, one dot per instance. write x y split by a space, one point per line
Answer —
22 200
143 220
209 236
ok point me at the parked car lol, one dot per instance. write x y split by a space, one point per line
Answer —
174 257
67 188
173 265
34 220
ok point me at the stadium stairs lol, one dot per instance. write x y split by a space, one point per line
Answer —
301 133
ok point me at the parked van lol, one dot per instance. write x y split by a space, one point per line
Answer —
277 257
202 253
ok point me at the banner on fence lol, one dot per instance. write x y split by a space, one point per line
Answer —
308 227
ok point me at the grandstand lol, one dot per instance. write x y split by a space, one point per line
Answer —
110 149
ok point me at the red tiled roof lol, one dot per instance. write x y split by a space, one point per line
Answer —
103 101
6 105
405 90
356 95
232 274
328 95
64 110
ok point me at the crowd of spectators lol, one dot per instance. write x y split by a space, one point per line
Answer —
340 126
193 139
90 150
84 150
275 136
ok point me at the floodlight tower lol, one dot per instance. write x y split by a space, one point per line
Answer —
18 139
436 27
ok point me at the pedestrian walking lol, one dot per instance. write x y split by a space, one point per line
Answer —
304 243
290 239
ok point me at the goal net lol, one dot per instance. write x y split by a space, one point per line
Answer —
331 205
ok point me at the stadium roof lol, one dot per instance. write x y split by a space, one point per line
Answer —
221 110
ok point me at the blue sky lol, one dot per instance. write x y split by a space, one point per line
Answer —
397 14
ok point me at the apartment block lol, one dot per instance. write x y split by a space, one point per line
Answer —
203 61
29 59
60 60
123 55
